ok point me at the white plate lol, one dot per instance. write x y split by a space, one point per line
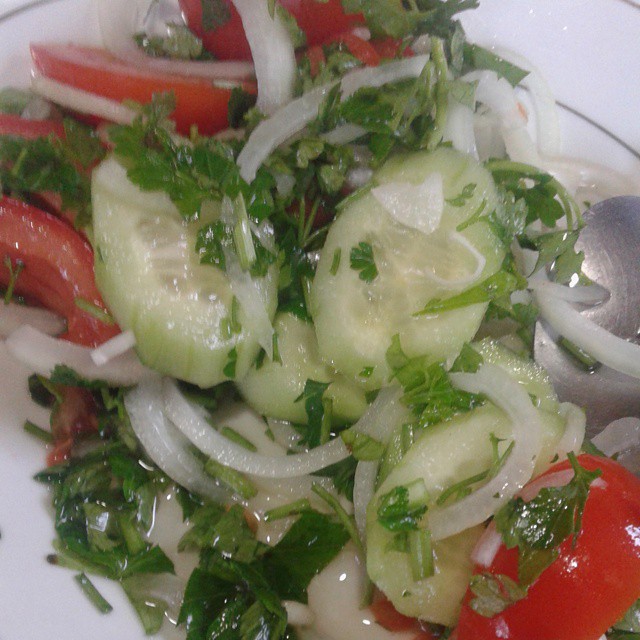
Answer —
588 49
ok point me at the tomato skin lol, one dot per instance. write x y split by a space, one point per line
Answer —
12 125
58 268
198 101
318 20
590 586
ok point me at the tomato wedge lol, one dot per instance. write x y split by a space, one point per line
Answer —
97 71
57 269
591 585
318 20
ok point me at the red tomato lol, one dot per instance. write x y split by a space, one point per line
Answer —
198 101
591 585
11 125
387 616
58 268
319 21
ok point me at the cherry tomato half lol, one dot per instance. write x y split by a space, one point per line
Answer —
57 268
590 585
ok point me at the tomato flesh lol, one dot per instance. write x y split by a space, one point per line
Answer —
12 125
57 268
590 586
318 20
198 101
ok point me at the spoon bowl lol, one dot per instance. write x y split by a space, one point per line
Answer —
611 244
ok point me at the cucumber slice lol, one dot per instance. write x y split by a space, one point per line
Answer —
355 320
151 278
443 456
273 388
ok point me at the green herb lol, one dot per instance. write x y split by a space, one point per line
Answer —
335 264
494 593
38 432
499 285
362 446
362 260
398 19
545 198
287 510
29 167
14 101
428 391
14 273
461 199
463 488
180 43
236 481
478 57
229 369
402 508
538 527
93 594
347 521
421 554
234 436
313 397
587 361
93 310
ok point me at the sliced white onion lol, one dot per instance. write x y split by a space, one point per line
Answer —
231 454
42 354
498 95
252 296
359 177
113 348
364 483
555 479
513 399
418 207
164 444
297 114
378 421
591 294
608 349
298 614
285 435
459 128
83 101
465 279
487 547
544 103
272 51
344 134
618 436
574 430
13 316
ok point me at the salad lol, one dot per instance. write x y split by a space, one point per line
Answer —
325 267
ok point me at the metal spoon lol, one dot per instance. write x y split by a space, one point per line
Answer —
611 243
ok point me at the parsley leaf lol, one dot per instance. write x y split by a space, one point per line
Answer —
362 260
402 508
315 407
545 522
